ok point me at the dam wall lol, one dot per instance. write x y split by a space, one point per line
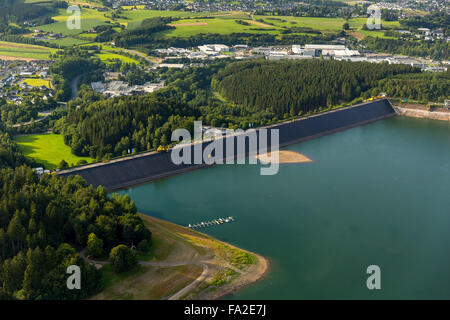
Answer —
142 168
423 114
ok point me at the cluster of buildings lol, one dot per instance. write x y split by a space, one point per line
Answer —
205 6
207 51
12 76
38 34
294 52
114 88
404 6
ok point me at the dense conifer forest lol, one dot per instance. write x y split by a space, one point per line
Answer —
45 221
293 88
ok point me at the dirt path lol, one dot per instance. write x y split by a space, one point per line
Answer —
188 24
180 293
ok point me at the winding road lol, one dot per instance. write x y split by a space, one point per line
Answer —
74 86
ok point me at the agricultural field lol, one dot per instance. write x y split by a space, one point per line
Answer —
195 23
37 82
47 149
20 51
89 19
321 24
190 27
69 41
109 56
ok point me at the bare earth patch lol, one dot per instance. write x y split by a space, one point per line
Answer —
284 156
10 58
259 24
356 34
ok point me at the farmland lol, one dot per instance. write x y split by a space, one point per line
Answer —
109 56
24 51
37 82
190 24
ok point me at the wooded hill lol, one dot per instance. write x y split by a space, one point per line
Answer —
43 220
293 88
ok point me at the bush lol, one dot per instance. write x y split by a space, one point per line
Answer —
122 258
94 246
144 246
63 165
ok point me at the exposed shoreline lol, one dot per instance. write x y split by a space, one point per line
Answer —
185 265
284 156
253 274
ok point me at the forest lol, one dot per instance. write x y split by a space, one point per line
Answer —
110 127
423 87
437 49
292 88
70 63
10 155
45 221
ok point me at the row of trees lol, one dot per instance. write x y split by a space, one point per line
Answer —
10 155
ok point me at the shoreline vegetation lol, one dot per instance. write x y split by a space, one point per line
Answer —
184 264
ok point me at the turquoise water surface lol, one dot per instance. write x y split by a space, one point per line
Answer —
376 194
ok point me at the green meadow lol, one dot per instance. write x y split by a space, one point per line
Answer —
47 149
37 82
110 56
89 19
190 27
192 23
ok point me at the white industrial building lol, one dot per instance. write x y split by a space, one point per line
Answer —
213 49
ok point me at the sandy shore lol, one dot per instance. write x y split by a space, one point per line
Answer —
284 156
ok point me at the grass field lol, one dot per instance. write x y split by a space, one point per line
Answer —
69 41
192 23
47 149
190 27
321 24
109 56
37 82
268 25
89 19
26 51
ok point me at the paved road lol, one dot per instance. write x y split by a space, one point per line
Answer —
29 122
74 86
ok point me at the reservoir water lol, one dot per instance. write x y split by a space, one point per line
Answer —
377 194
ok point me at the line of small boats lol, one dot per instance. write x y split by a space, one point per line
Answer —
211 223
